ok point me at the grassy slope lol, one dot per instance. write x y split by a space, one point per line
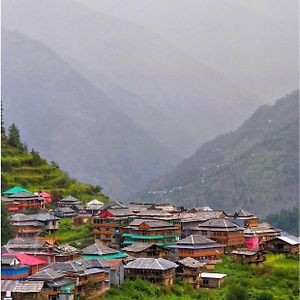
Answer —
19 168
279 276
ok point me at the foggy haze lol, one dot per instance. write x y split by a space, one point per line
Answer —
146 81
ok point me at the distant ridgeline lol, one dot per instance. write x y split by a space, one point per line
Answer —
29 169
255 167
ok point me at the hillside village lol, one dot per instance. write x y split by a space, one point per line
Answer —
159 243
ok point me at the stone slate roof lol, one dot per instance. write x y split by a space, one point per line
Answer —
244 251
64 210
8 259
154 212
69 266
60 282
120 212
96 249
92 271
200 215
219 225
64 249
47 275
191 262
25 195
23 286
94 263
151 223
137 247
5 249
262 228
20 218
25 243
195 239
28 286
70 199
151 264
43 217
243 213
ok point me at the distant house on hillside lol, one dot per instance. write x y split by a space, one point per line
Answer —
223 232
159 232
286 244
212 280
93 207
244 218
199 247
260 234
24 200
108 225
49 221
21 289
139 249
155 270
248 257
64 212
56 283
68 202
189 270
26 226
195 216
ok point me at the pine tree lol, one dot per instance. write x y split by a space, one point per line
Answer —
7 230
2 122
13 136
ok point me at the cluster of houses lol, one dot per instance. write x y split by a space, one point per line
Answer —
156 242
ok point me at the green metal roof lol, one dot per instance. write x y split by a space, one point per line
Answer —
107 256
16 190
166 244
154 237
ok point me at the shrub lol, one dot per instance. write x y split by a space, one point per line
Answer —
264 296
237 293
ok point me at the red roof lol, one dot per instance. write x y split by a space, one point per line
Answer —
45 195
27 260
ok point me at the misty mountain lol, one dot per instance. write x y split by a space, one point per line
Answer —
74 123
189 102
252 43
256 167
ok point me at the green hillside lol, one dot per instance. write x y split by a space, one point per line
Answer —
256 167
21 167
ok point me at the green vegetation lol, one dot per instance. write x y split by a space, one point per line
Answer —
256 167
278 279
77 236
30 170
7 230
287 220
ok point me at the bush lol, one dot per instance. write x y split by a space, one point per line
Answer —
264 296
237 293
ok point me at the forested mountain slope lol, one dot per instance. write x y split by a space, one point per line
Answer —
255 167
20 167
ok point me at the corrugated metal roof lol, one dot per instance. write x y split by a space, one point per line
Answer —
213 275
289 239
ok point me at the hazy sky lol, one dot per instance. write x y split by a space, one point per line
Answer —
235 37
